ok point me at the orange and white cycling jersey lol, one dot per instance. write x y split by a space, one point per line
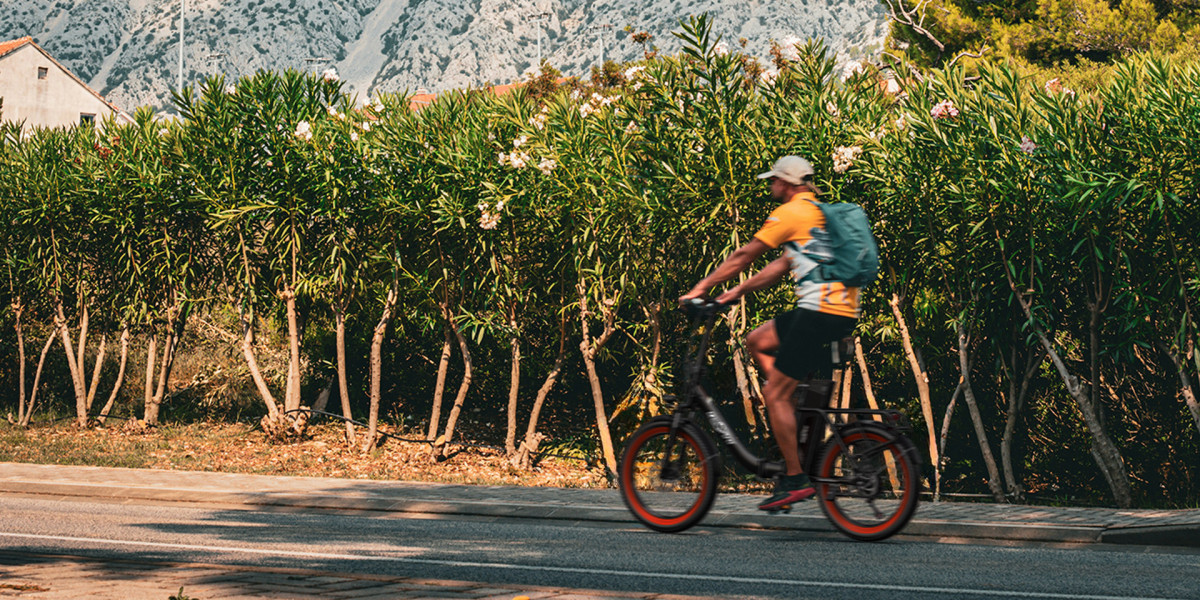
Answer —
799 227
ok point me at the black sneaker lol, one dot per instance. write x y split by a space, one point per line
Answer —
789 489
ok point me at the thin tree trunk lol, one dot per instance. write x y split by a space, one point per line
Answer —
91 395
151 358
869 392
468 373
343 385
922 381
590 349
1104 451
1017 392
84 321
252 363
377 366
736 320
37 378
323 397
985 447
112 396
532 437
18 309
439 389
164 372
75 368
514 384
1185 384
291 399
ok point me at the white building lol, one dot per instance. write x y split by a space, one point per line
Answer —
38 90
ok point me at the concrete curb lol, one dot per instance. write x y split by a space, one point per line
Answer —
1176 535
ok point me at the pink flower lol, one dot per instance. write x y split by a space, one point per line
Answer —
1054 86
1027 146
944 110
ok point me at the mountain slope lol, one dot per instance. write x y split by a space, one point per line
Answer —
128 49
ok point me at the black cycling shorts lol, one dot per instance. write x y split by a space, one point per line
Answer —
804 337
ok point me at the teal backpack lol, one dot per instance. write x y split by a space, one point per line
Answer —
850 254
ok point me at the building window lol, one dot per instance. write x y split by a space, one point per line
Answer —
87 119
42 72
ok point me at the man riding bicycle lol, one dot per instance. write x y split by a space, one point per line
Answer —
794 345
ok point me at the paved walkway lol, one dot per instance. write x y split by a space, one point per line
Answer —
942 520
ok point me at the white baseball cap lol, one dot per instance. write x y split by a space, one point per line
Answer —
793 170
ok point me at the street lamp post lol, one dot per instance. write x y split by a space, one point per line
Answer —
539 18
599 31
182 13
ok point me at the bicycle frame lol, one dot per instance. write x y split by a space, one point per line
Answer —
697 399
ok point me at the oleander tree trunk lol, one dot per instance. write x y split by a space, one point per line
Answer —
985 446
376 364
529 445
439 388
343 384
590 347
921 377
442 444
116 390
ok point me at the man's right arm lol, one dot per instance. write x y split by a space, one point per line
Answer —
736 263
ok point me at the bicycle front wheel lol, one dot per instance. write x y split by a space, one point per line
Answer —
669 483
869 489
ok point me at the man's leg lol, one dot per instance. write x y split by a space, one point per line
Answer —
781 409
762 343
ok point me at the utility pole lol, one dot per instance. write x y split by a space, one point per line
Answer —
599 31
539 18
182 13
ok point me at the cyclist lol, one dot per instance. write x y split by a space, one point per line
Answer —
794 345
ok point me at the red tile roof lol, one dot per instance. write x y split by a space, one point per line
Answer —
6 47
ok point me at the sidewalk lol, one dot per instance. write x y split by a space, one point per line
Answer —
56 577
944 519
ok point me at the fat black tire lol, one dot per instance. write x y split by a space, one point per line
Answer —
682 499
892 490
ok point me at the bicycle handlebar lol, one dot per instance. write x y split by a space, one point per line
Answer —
701 308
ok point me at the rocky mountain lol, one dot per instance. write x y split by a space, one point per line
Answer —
129 49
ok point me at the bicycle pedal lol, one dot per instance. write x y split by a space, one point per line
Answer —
786 509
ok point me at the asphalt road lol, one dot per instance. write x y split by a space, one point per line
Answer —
724 562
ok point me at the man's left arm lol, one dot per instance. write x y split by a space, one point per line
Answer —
736 263
769 276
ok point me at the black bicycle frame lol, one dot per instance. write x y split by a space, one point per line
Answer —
699 400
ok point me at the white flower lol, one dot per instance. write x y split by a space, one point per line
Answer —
575 95
632 127
632 72
487 218
333 111
518 160
502 158
366 126
354 136
330 75
546 166
901 123
538 121
1054 86
1027 146
377 105
788 46
721 49
162 132
844 156
586 110
832 109
852 69
304 130
517 143
230 89
944 110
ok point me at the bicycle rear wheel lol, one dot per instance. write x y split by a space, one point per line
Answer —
674 494
875 482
